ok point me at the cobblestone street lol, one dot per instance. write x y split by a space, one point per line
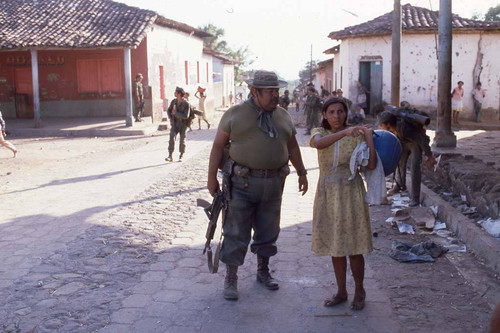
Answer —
116 246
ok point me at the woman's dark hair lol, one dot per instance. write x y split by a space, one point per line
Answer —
462 82
326 104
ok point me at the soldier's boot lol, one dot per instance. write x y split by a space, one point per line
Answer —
181 156
263 275
231 283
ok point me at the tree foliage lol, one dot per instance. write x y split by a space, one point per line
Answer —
493 14
218 44
305 73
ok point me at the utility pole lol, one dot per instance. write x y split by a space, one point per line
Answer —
396 53
444 135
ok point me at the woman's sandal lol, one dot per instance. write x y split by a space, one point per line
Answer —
358 304
335 300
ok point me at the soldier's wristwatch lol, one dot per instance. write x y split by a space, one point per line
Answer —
302 172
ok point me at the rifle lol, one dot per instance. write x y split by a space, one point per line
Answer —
213 211
413 116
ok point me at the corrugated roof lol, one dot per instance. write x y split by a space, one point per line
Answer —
78 23
414 19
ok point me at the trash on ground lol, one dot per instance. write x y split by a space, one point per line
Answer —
405 228
416 253
434 210
420 216
456 248
438 159
443 233
463 197
389 220
465 209
439 225
491 226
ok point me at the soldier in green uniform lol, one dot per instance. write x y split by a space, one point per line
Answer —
138 97
179 113
262 137
313 109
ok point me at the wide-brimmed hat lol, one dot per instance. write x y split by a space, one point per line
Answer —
266 79
139 75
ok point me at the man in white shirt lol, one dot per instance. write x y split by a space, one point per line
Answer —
478 97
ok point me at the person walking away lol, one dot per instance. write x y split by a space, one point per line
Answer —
200 94
138 97
313 109
4 142
341 221
478 96
457 104
414 141
179 112
263 141
285 100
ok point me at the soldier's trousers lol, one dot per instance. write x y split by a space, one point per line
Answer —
179 126
255 204
313 119
413 151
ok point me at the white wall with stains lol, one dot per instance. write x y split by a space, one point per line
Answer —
419 68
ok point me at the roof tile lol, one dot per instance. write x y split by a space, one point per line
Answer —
412 19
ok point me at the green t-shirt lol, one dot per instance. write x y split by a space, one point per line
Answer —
250 146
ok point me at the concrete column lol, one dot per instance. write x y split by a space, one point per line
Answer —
444 135
128 86
36 89
396 54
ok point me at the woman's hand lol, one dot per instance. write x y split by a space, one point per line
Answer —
368 133
355 131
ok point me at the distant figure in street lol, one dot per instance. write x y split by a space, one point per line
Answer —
340 94
285 100
341 221
357 116
230 98
263 142
414 142
334 93
478 97
138 97
4 142
191 114
200 94
313 109
457 103
179 112
324 93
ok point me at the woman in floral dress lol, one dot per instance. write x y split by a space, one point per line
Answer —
341 222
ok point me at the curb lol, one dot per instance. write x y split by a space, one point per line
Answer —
476 239
35 132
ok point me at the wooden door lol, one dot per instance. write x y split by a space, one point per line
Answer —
24 93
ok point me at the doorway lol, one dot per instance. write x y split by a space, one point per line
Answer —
23 93
370 75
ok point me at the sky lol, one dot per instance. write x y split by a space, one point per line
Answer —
280 34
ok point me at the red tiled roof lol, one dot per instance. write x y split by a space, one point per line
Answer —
225 57
78 23
414 19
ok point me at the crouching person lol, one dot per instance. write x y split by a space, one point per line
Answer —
262 138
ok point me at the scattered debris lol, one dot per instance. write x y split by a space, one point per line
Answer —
416 253
455 248
421 217
491 226
435 210
439 226
405 228
443 233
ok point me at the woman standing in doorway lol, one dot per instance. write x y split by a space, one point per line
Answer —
341 222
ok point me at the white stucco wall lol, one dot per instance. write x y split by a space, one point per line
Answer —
171 48
419 68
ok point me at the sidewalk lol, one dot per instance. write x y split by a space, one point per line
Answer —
80 127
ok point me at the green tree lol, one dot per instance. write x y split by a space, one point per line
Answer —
215 42
305 73
493 14
218 44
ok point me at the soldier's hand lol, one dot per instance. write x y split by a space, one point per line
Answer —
212 185
303 184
